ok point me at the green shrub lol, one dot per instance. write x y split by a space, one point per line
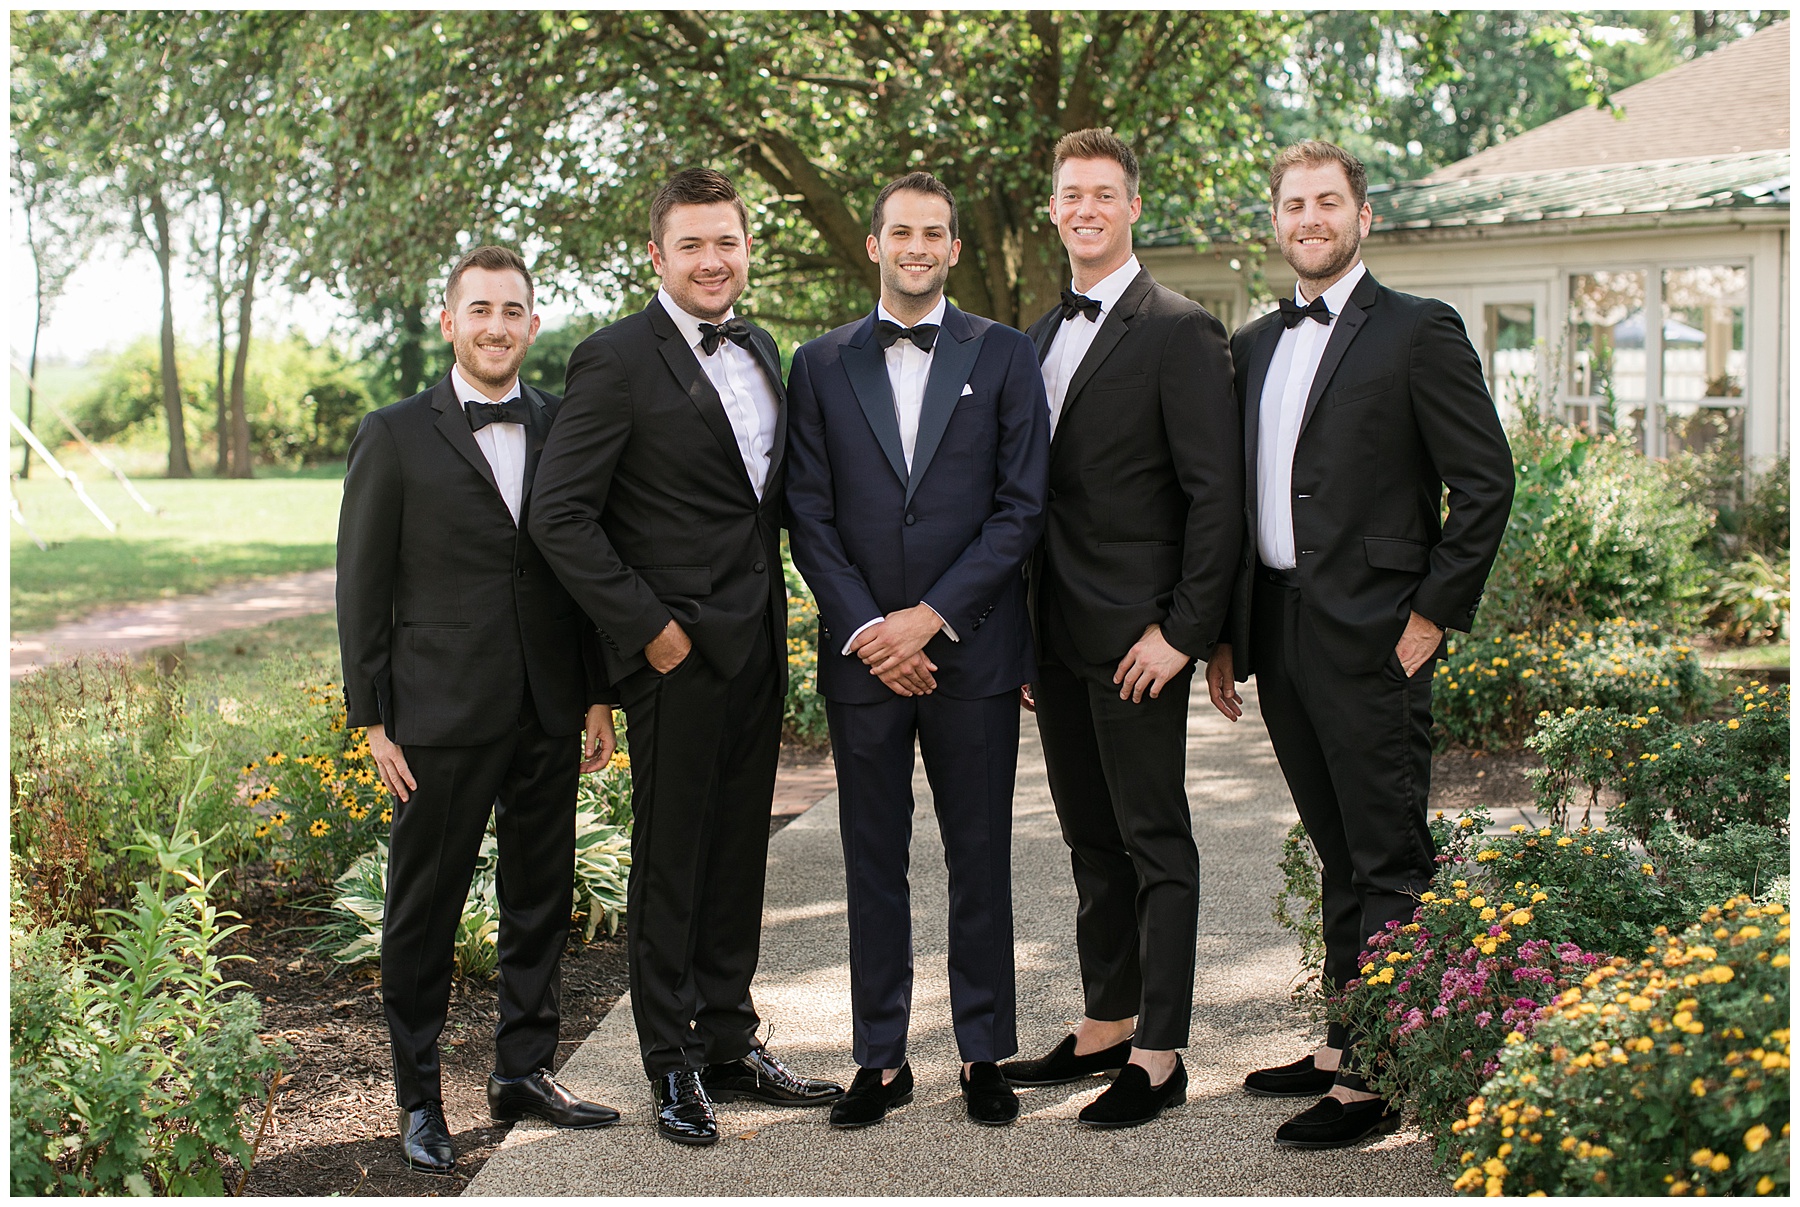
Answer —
1751 599
1597 530
1490 689
130 1066
1663 1076
1759 523
803 712
1700 777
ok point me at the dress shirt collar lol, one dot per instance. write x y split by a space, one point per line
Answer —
1338 294
466 393
1113 285
936 316
687 323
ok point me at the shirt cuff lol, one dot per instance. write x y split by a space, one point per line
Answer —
948 631
859 628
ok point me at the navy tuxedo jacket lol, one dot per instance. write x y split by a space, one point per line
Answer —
871 538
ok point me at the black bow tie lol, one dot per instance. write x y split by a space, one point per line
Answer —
923 336
483 413
1078 303
1292 312
734 329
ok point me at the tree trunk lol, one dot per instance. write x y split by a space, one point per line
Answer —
240 421
412 347
222 426
161 246
37 326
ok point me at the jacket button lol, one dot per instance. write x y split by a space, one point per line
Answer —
759 567
909 519
521 572
1052 496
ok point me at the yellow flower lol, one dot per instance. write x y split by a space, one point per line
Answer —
620 761
1477 902
1564 841
1733 724
1721 1163
1649 869
319 828
1756 1137
1487 915
1765 1184
387 815
1702 1156
1697 1087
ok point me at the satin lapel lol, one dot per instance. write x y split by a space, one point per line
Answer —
1262 355
1343 330
866 367
535 433
454 425
951 361
699 388
1113 326
769 357
1044 331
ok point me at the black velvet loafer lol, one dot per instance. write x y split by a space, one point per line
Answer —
1131 1100
990 1099
868 1101
540 1097
425 1139
1329 1123
760 1077
1061 1066
1297 1080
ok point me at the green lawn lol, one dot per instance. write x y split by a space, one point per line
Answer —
1749 657
210 532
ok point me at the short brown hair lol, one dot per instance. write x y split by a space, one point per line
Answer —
912 182
694 186
1313 152
1097 143
494 259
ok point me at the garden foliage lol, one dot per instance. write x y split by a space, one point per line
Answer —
803 714
131 1065
1666 1075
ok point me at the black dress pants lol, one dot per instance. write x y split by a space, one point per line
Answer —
971 753
704 749
527 779
1356 753
1118 775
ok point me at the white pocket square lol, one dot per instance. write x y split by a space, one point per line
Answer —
967 389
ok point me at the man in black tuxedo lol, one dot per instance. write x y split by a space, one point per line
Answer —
1361 405
916 489
471 668
659 506
1129 589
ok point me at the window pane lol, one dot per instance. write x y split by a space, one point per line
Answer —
1510 355
1606 334
1703 332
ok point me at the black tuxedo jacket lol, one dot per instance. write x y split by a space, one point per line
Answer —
1146 480
871 538
643 506
1398 411
447 612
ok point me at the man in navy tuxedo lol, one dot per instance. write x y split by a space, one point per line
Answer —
918 447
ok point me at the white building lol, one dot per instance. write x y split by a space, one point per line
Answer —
1637 265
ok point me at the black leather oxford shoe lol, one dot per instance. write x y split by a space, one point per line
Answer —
762 1078
1061 1065
1329 1123
991 1102
1299 1079
868 1101
539 1096
1131 1100
684 1113
425 1139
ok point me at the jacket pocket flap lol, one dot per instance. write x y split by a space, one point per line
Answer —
1121 381
1397 553
1361 389
689 581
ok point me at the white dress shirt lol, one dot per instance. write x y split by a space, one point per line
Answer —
909 367
1070 344
743 388
1280 410
503 444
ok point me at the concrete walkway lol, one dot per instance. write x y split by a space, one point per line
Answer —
137 627
1219 1144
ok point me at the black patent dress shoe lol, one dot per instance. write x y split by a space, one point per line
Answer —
868 1100
990 1099
1131 1100
1061 1065
1297 1080
539 1096
759 1076
684 1113
425 1139
1329 1123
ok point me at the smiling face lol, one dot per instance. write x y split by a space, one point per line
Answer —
915 252
1318 225
490 325
703 258
1093 209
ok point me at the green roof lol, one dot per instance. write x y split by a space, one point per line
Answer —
1717 182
